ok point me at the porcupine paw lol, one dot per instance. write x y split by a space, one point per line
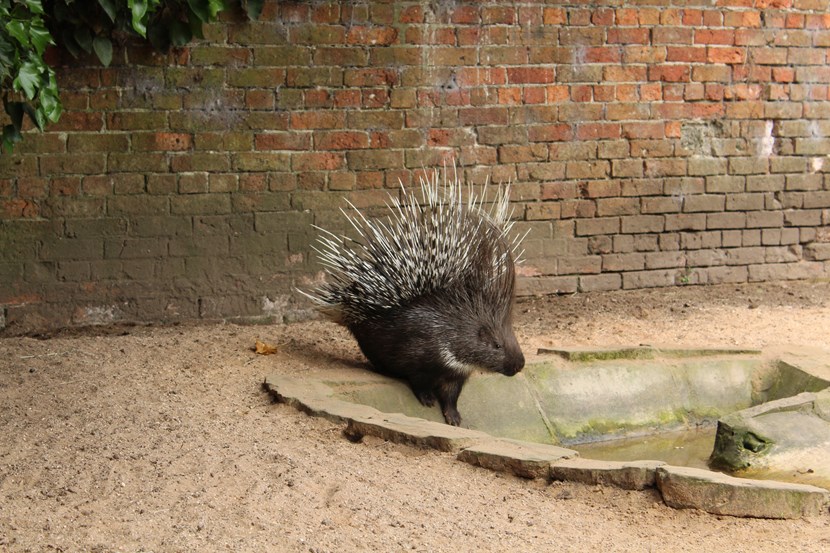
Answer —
452 416
426 397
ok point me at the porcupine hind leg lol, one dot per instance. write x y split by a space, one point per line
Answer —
424 394
447 392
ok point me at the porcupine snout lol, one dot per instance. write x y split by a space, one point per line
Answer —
514 359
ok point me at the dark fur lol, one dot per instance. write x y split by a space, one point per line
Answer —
470 320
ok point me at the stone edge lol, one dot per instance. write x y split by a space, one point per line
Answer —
529 460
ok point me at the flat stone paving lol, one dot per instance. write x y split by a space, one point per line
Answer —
681 487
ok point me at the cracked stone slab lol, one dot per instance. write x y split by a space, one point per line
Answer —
402 429
629 475
716 493
525 459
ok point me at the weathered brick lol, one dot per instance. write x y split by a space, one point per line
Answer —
605 225
641 224
623 262
262 161
200 204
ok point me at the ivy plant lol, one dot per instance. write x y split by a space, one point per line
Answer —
83 27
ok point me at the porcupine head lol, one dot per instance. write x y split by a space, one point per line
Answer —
428 292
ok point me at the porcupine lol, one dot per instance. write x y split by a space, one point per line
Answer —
428 292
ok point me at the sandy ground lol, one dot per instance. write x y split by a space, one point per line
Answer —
161 439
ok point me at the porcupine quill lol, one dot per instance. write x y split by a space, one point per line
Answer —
428 291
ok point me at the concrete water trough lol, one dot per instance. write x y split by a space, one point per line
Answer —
632 417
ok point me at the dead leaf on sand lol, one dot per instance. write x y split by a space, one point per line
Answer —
263 348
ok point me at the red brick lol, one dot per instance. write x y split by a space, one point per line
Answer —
550 133
534 95
483 116
524 75
597 131
371 36
627 17
726 55
341 140
624 35
557 93
480 76
464 15
603 54
688 54
498 15
431 35
641 130
669 73
317 120
719 36
554 16
317 161
783 74
19 209
283 141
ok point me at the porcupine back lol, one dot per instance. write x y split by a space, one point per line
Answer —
428 291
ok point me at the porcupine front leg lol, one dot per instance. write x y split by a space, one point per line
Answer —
447 392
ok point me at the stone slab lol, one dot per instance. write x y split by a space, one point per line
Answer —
525 459
716 493
629 475
401 429
582 355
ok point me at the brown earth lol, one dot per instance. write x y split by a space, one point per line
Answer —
161 439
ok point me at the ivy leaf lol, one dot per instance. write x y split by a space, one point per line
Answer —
11 135
159 37
50 103
35 115
214 7
103 49
109 7
28 79
200 8
84 38
138 9
179 33
69 43
34 6
195 24
17 29
40 36
253 8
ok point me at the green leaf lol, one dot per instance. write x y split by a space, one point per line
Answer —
84 38
69 43
215 7
40 36
35 115
17 29
159 37
103 49
34 6
195 24
200 8
109 7
11 136
138 9
28 79
50 103
50 106
253 8
179 33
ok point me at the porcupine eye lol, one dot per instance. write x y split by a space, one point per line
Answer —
487 337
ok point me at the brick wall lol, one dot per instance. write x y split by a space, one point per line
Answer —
651 143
